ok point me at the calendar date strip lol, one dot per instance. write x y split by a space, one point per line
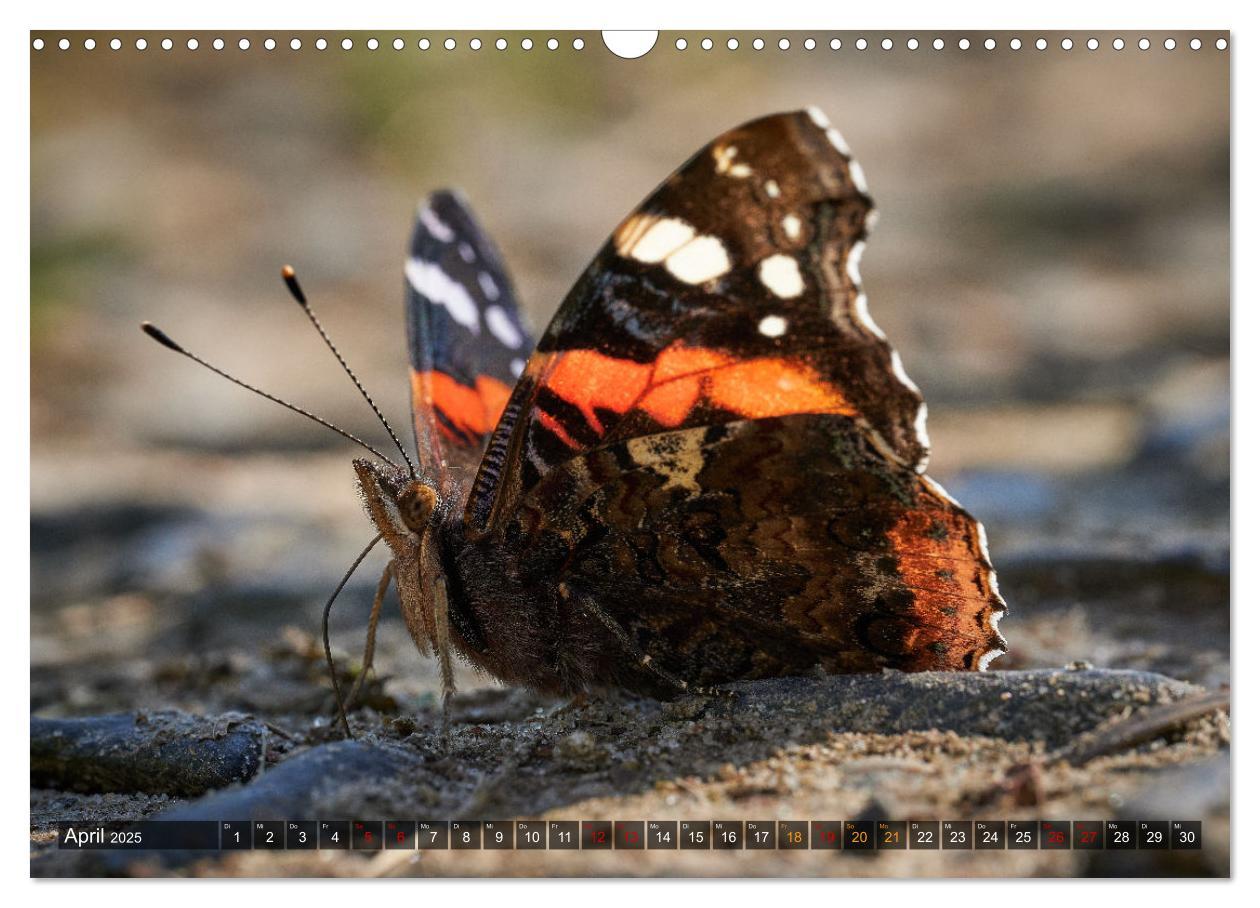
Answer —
630 835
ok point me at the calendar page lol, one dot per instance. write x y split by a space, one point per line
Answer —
705 453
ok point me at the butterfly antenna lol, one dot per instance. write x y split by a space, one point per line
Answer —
295 289
164 339
332 666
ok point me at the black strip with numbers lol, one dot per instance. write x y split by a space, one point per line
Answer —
621 835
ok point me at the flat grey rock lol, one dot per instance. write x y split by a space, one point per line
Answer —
165 752
1051 706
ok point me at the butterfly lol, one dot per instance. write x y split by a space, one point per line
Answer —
710 466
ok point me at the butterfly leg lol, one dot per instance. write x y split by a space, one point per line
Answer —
369 648
577 702
442 644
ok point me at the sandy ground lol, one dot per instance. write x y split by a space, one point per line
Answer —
1003 745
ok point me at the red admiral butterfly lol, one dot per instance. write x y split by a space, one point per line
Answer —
708 469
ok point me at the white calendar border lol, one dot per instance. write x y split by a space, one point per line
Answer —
665 14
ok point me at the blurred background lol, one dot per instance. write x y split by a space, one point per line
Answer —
1052 260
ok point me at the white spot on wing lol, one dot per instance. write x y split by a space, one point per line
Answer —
488 286
702 259
834 137
660 239
436 226
690 258
989 657
854 260
994 617
630 232
900 372
781 275
920 432
982 538
859 177
431 282
772 189
864 316
792 226
500 325
940 490
724 157
773 326
517 366
467 253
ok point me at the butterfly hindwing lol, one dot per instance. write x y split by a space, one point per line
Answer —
766 547
466 340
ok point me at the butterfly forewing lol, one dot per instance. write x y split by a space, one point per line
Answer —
731 293
466 339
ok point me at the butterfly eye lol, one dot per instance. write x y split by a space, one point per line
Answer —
416 504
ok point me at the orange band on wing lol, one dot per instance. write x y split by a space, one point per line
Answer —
761 388
470 413
590 380
681 378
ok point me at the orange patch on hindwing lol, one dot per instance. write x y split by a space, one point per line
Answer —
942 563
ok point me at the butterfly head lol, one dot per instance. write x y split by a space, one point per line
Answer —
401 506
406 511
